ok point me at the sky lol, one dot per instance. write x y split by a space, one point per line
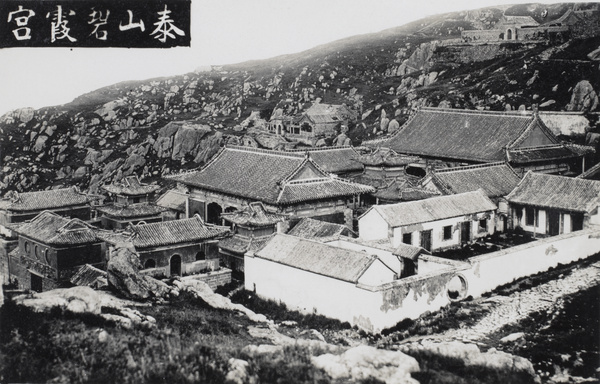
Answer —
222 32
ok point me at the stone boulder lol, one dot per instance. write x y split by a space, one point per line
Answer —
584 98
86 300
368 363
124 276
187 140
201 290
470 355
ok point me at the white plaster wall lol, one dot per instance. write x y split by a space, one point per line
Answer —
372 226
437 236
377 274
305 291
594 217
502 267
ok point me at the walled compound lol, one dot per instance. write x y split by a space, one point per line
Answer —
374 283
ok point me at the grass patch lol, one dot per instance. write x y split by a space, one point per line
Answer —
280 312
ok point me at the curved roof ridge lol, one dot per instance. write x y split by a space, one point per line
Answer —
467 167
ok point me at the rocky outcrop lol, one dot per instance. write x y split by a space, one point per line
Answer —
123 276
201 290
471 356
86 300
584 98
419 60
364 363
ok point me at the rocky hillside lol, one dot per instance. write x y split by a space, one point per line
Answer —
163 125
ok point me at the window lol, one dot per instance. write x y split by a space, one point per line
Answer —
483 225
200 256
27 247
448 232
531 216
150 264
407 238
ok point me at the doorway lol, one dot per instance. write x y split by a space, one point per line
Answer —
36 283
465 232
426 240
553 222
175 265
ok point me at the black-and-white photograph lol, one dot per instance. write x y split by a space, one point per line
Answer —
309 191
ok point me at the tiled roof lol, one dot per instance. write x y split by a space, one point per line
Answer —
254 215
340 111
480 136
90 276
261 175
131 186
174 232
315 189
322 118
558 192
308 228
386 157
412 194
496 179
172 200
131 210
544 153
590 173
42 200
403 250
241 244
334 159
52 229
435 208
312 256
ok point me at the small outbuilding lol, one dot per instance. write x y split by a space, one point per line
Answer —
433 224
172 247
550 205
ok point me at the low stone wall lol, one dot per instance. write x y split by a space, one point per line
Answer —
213 279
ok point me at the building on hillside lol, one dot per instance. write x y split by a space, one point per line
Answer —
51 249
284 182
466 137
318 230
253 226
177 247
549 205
320 120
18 207
496 180
434 224
131 204
517 28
